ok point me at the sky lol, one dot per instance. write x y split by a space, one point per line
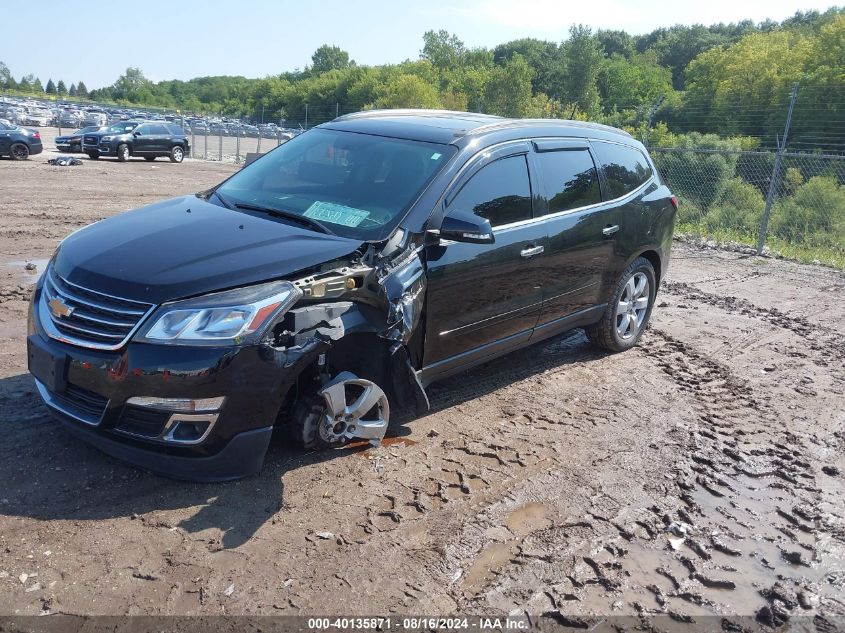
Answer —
96 40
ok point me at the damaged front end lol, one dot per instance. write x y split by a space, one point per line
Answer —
351 341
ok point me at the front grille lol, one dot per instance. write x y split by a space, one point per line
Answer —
80 403
91 140
142 421
86 317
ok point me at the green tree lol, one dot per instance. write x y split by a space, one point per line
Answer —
508 91
129 85
583 56
37 86
636 81
443 49
739 207
813 215
72 90
328 58
544 57
616 43
51 87
81 90
408 91
61 89
5 75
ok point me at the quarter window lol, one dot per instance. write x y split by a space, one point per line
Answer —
570 179
624 167
499 192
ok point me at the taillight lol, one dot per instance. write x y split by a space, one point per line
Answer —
675 202
36 135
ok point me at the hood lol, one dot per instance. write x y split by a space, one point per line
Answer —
185 247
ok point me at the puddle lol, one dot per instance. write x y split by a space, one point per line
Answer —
28 275
490 559
527 519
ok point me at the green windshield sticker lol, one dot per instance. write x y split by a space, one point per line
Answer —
336 213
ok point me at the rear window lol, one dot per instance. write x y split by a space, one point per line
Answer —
570 179
624 167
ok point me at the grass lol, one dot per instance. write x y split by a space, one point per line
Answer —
831 256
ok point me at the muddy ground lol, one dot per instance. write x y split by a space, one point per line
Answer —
700 474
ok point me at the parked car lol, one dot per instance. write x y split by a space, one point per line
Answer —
73 142
147 139
338 275
18 143
39 117
95 118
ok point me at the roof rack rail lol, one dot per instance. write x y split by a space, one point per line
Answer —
364 114
505 123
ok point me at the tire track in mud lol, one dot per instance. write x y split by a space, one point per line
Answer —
825 342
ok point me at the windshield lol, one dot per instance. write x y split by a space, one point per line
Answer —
357 185
120 128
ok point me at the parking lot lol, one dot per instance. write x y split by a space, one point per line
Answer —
698 475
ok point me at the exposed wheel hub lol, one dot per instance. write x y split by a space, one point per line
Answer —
355 407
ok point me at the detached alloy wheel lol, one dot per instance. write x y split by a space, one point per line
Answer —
19 151
177 154
629 309
123 152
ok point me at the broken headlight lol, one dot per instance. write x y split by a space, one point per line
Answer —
233 317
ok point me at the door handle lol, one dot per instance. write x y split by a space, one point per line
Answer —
531 251
609 230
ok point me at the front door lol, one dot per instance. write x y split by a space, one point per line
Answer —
482 297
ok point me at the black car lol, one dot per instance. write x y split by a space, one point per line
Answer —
337 276
18 143
148 139
73 142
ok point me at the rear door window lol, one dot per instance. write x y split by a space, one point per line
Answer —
570 179
625 167
499 192
158 129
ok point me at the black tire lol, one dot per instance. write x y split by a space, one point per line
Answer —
19 151
606 333
93 155
177 154
123 152
149 158
303 427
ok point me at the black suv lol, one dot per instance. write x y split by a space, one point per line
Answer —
149 139
337 276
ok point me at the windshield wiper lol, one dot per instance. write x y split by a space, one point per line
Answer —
287 215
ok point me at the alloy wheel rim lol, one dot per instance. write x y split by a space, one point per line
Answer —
632 306
177 154
19 151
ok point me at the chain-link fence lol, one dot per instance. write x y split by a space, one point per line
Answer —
725 194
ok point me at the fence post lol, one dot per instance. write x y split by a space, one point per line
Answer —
220 146
652 111
238 148
773 183
193 141
205 141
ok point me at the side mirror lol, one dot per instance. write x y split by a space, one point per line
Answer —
461 226
136 134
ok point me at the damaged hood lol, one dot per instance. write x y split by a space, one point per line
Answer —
185 247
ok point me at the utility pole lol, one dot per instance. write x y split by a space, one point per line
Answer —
652 111
773 183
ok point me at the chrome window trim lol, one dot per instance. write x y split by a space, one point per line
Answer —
480 155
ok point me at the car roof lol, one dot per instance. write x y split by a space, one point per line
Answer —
445 126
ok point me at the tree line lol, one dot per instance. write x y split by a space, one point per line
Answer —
731 79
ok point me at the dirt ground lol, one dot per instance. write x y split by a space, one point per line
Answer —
699 474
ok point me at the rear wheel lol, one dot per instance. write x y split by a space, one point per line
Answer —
93 155
19 151
628 310
177 154
123 152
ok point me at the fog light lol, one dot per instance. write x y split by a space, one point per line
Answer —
184 431
187 405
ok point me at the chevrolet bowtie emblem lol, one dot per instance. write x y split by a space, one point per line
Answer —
59 308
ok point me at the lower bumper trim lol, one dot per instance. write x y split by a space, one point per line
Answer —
241 457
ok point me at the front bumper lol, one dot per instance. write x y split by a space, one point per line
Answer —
90 390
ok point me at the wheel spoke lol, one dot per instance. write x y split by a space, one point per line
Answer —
622 328
335 396
629 289
641 303
366 401
622 308
640 285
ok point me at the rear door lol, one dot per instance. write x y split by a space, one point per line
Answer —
160 136
5 139
483 297
580 228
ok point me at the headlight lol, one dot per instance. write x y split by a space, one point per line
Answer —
233 317
106 138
